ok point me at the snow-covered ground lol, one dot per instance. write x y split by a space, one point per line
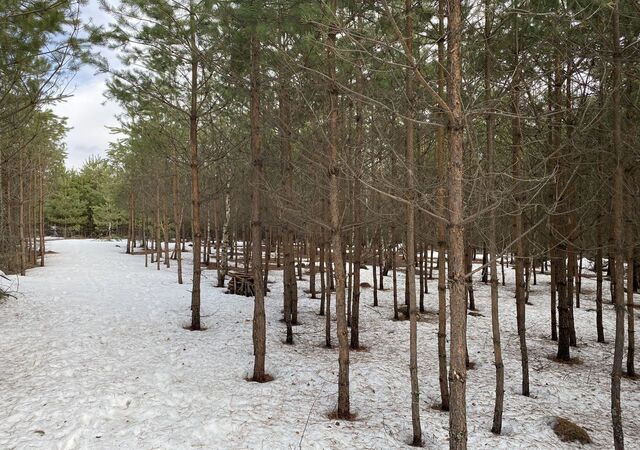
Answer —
93 354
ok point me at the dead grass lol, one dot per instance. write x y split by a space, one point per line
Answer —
568 431
365 285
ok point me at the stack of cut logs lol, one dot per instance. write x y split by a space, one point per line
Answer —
241 284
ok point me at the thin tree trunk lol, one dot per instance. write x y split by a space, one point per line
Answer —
327 304
375 275
458 307
618 232
41 206
431 262
498 408
177 215
631 345
357 219
195 176
343 411
441 202
598 269
469 269
223 266
554 300
410 249
165 229
290 287
518 221
259 322
421 278
312 266
21 218
323 287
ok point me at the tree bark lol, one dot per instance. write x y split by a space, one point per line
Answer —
618 232
195 175
441 202
259 322
458 307
498 408
518 221
343 411
410 248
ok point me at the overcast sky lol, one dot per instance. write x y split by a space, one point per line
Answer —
88 113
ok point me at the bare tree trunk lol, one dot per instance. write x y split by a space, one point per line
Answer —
267 260
158 224
518 223
441 202
394 282
144 239
223 265
422 280
410 249
21 219
493 267
598 268
357 219
290 288
558 263
289 279
431 262
195 176
343 411
554 300
458 307
41 215
381 271
631 346
177 214
323 287
312 266
618 232
375 275
327 304
259 322
579 280
469 269
165 230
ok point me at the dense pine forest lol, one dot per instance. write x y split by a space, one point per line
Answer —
463 174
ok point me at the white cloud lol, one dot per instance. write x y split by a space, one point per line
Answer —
89 116
88 113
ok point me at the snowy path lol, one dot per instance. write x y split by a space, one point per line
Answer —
93 355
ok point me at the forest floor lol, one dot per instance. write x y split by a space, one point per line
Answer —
94 354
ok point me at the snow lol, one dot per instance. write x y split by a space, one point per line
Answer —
94 354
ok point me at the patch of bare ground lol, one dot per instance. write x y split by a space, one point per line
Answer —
265 379
190 328
333 415
438 407
360 349
570 362
568 431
